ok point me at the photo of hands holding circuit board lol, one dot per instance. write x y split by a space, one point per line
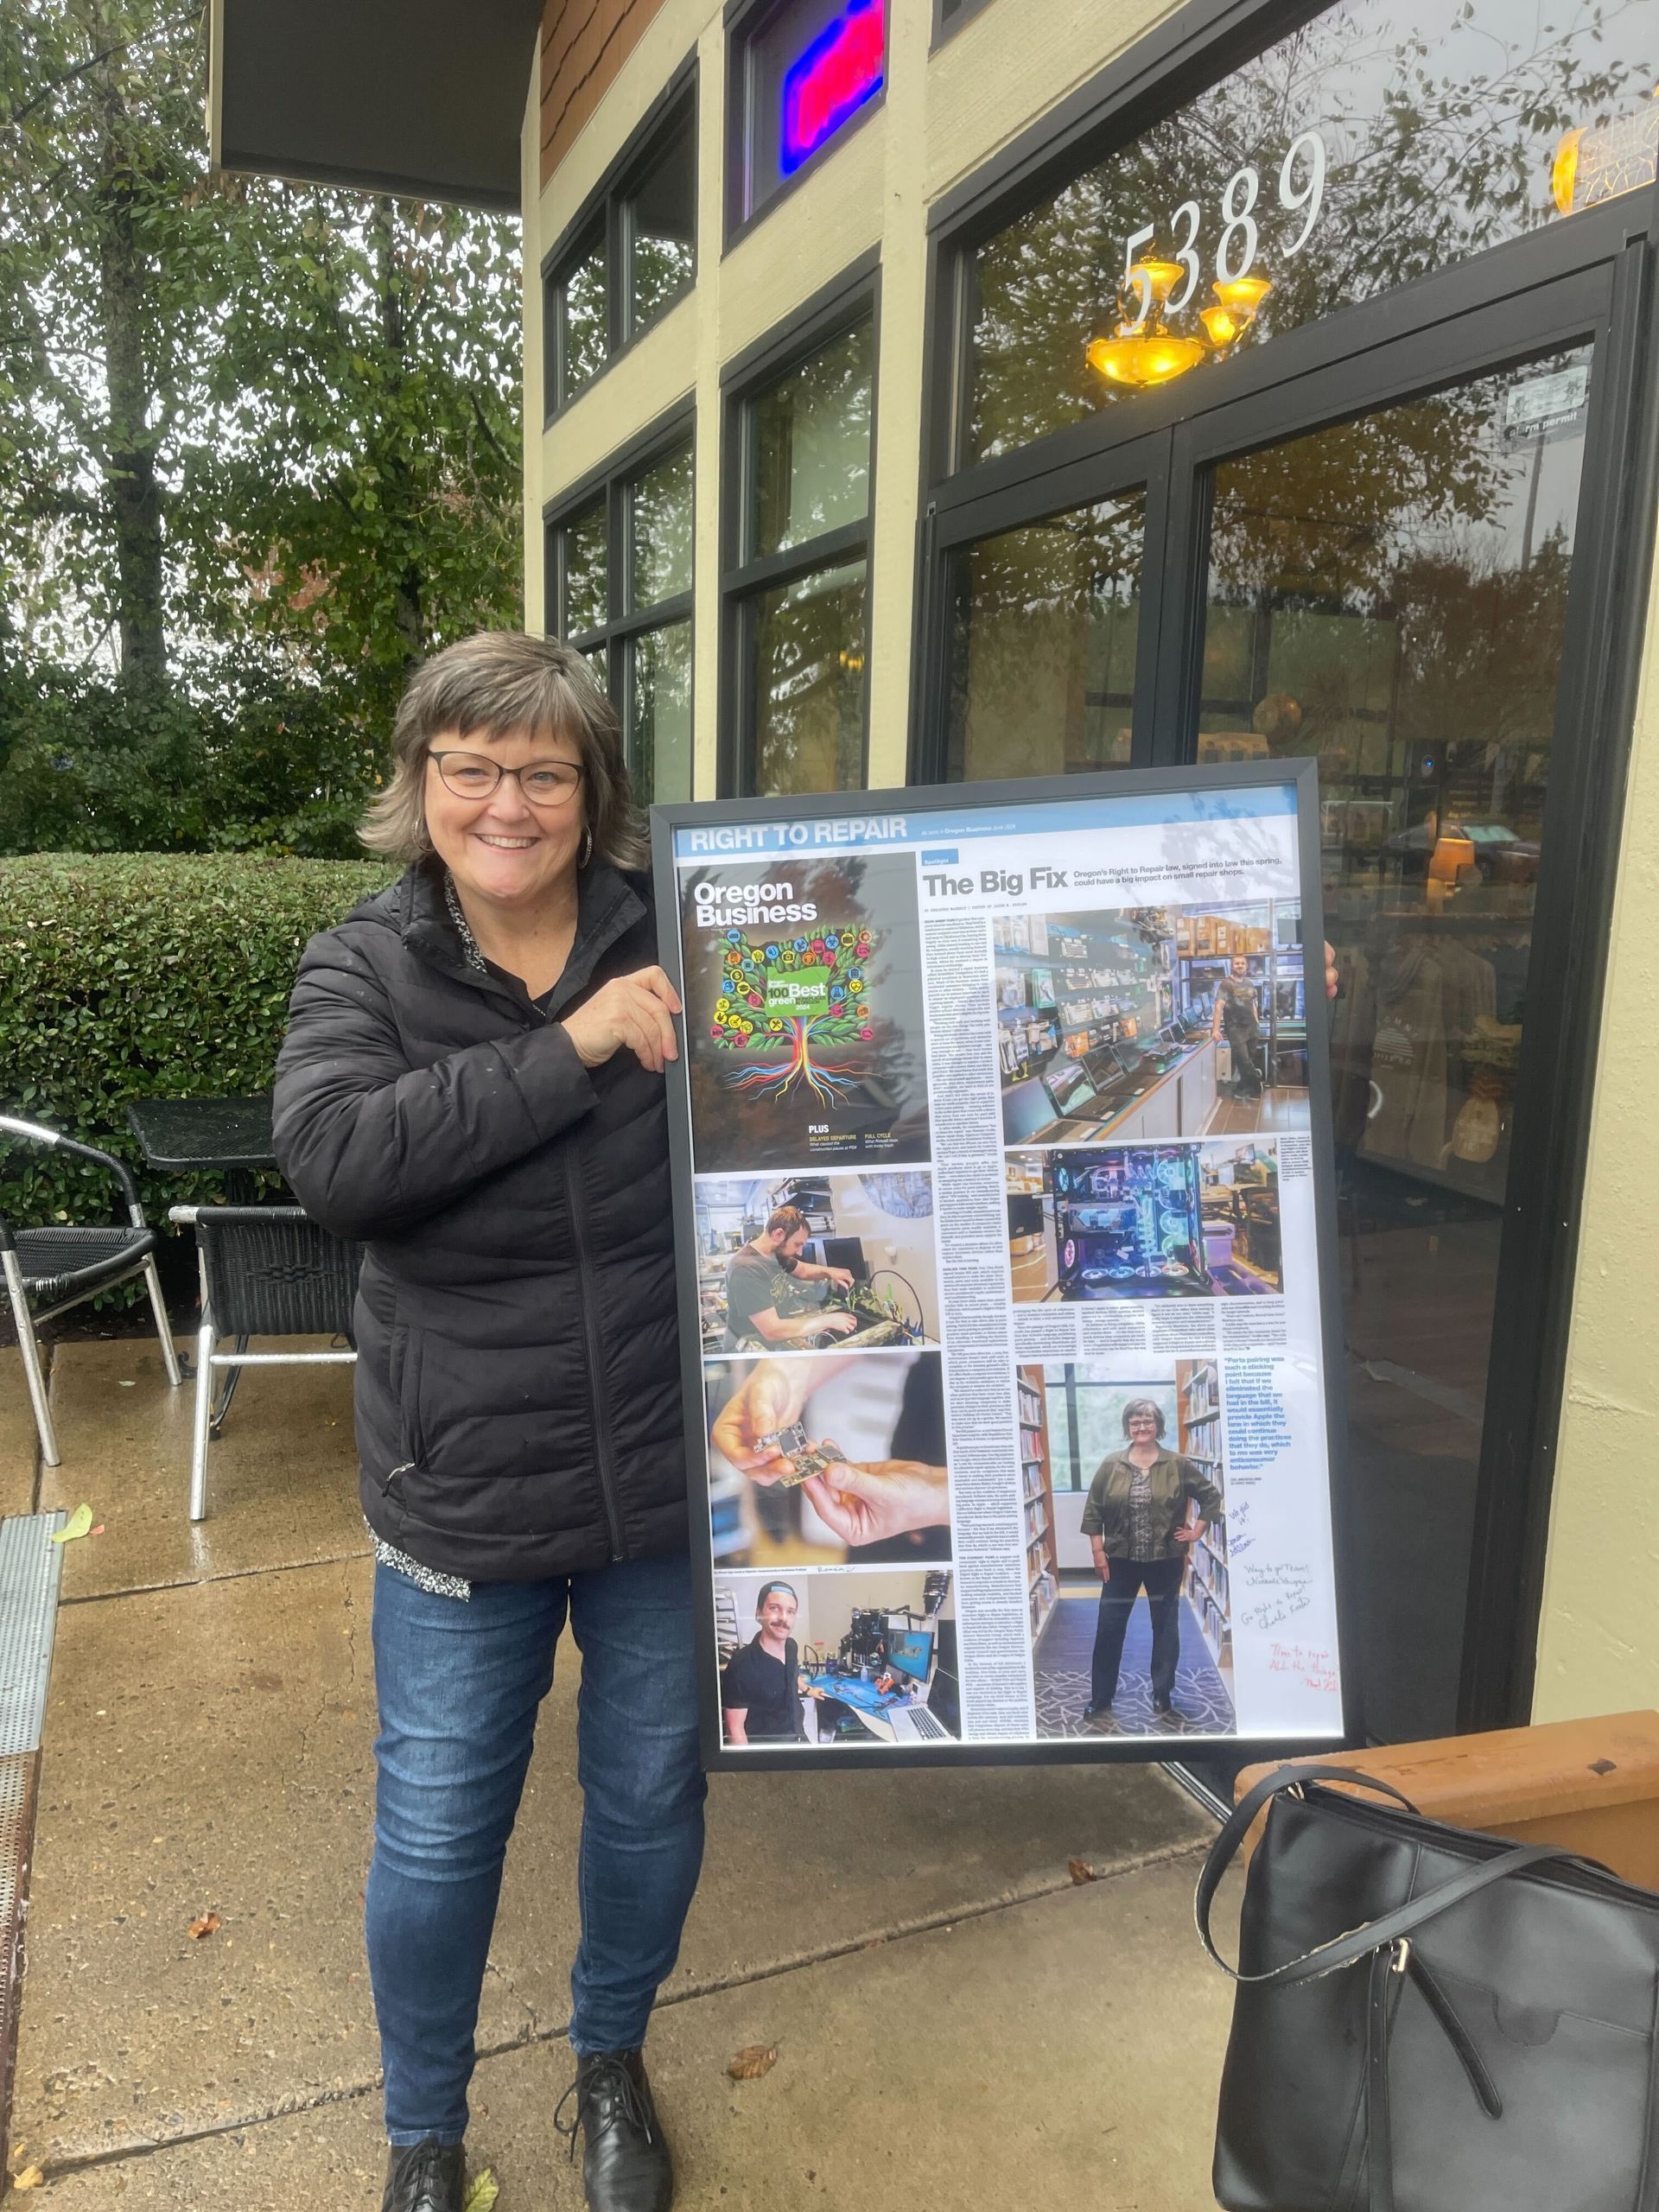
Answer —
826 1462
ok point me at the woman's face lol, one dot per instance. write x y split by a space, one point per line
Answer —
1143 1428
502 850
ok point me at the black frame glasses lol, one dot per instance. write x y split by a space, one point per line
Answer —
530 768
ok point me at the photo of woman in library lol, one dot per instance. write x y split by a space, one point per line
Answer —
1152 1023
1123 1498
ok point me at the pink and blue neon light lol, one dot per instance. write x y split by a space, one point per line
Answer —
838 72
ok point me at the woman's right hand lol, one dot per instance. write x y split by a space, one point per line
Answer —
634 1011
1102 1565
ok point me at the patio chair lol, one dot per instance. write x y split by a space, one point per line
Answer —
49 1270
266 1271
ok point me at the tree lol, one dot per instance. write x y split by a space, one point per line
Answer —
233 408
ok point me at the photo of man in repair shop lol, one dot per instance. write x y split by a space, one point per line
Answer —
773 1293
761 1690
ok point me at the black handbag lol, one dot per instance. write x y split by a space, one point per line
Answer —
1429 2019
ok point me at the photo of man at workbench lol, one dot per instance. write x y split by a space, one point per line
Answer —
850 1659
812 1262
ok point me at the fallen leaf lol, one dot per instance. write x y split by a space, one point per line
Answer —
30 2177
481 2196
1080 1870
98 1531
752 2062
79 1523
205 1926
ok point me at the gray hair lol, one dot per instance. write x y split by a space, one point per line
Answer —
502 683
1144 1405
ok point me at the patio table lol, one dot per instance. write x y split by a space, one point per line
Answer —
183 1134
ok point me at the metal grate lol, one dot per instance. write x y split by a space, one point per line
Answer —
30 1568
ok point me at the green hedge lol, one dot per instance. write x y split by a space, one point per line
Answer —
144 975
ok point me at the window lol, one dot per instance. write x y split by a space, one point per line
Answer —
630 253
951 15
802 73
1086 1418
798 594
1374 145
619 583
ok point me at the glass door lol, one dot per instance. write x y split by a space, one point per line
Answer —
1388 595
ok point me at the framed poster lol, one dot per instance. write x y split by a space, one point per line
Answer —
1003 1195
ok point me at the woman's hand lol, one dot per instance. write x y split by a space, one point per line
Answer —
1332 981
633 1011
1189 1532
888 1497
1102 1565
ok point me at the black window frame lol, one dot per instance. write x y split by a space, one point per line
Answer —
604 217
609 485
743 21
851 297
1163 442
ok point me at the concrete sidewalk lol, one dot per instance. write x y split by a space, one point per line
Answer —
956 2020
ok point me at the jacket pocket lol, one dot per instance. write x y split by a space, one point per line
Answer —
405 1376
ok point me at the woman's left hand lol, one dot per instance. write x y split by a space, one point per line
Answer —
1332 981
1189 1533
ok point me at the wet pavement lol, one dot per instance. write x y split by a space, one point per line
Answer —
956 2019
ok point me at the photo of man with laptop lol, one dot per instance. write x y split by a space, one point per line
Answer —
862 1658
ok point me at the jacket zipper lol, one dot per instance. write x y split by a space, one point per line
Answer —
595 1379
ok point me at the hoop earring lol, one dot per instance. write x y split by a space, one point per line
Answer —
586 848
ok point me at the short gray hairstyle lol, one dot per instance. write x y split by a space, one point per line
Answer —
502 683
1144 1405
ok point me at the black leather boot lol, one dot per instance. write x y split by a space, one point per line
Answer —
626 2166
425 2177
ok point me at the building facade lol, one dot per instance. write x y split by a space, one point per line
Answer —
1027 386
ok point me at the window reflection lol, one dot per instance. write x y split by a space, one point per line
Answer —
583 317
811 432
661 219
809 683
659 713
1390 597
585 592
1369 148
1046 621
660 526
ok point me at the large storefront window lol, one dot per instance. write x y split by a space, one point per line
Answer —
1390 597
1045 623
1374 145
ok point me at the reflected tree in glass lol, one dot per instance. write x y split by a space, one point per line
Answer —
809 683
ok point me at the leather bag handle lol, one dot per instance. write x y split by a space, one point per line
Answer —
1355 1942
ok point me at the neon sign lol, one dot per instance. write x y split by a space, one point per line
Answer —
839 71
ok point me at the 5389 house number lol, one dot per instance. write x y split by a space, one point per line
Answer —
1301 189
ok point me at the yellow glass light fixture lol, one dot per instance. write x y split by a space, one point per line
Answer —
1140 358
1591 166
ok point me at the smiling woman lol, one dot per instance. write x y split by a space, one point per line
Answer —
473 1081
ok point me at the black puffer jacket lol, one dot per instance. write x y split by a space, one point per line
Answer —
518 1375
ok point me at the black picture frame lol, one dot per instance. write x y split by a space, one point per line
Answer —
1120 784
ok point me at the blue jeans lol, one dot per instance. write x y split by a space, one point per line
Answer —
458 1683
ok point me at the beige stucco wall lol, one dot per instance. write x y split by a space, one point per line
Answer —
1598 1643
943 115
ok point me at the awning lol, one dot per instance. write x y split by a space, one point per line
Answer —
424 98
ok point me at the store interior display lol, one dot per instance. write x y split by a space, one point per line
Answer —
1099 1015
1146 1221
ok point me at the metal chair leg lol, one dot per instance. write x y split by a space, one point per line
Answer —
199 1427
33 1373
163 1330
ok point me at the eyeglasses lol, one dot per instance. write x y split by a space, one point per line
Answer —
474 775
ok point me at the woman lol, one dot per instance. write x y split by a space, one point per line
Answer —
472 1084
1235 1013
1139 1520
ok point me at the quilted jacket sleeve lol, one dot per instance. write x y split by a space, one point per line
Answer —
371 1145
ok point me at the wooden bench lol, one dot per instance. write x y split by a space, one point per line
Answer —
1592 1785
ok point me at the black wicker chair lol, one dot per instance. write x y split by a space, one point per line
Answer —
49 1270
266 1271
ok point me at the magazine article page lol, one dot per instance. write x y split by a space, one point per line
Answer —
1007 1274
